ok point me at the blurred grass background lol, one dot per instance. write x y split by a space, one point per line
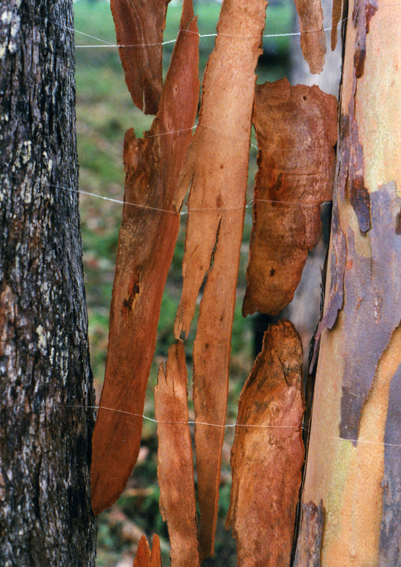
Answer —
104 112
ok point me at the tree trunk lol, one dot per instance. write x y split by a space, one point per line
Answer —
353 467
45 376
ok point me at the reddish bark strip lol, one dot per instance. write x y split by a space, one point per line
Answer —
313 39
139 27
335 20
144 558
145 249
268 454
296 129
217 166
175 470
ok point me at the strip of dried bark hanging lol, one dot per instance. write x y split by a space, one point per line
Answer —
313 39
146 244
217 166
335 20
175 470
268 452
296 129
144 558
139 28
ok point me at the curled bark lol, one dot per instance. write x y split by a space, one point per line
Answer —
145 558
139 27
175 470
313 39
146 243
217 166
268 452
296 129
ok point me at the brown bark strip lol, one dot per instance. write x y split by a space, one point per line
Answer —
313 39
296 129
175 470
268 452
144 558
217 166
308 553
146 244
139 28
335 20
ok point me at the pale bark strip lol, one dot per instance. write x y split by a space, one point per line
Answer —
139 27
268 452
146 243
313 38
353 463
175 469
217 166
296 129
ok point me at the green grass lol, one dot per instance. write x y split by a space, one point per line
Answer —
104 112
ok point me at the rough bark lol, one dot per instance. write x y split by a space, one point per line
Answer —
45 377
217 167
296 129
268 452
353 462
146 244
139 28
175 462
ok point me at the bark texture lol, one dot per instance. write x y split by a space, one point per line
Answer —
45 377
296 129
217 166
175 462
313 39
139 28
353 463
146 558
268 452
145 248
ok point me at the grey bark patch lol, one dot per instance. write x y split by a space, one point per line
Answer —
309 545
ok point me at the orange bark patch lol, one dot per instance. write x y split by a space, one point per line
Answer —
296 131
145 248
139 27
175 470
144 558
313 39
268 452
217 167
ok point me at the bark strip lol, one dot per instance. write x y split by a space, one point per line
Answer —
296 129
313 39
217 167
268 452
139 28
175 470
146 244
145 558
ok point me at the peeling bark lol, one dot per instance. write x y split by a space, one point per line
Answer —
313 39
308 552
144 558
296 129
139 27
352 464
268 452
175 470
338 6
217 166
146 244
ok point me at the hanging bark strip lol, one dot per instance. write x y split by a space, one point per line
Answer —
296 129
175 469
144 558
146 244
217 166
313 39
139 28
268 452
354 453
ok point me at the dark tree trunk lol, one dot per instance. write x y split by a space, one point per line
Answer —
45 376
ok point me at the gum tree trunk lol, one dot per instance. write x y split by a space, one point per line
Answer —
45 376
352 496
